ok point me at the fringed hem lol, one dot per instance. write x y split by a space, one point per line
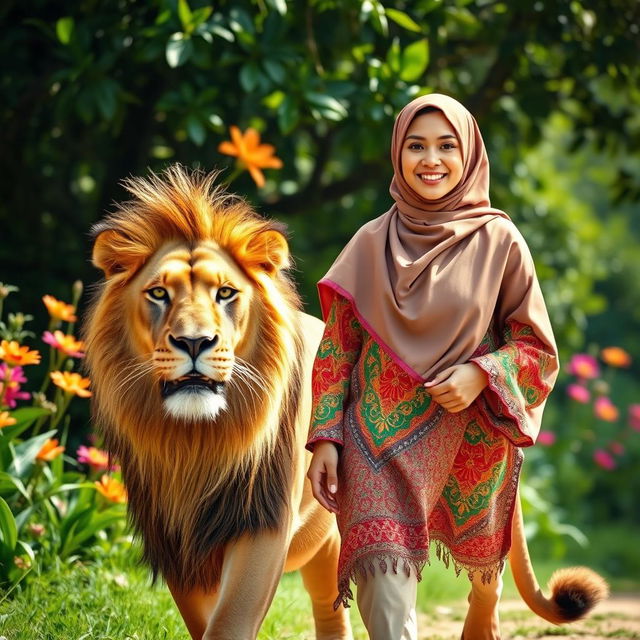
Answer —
367 566
488 572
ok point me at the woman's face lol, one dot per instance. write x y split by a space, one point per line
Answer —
431 156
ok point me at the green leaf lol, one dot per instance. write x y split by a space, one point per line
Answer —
64 29
185 15
196 130
274 70
9 485
24 455
249 76
327 106
288 115
199 16
222 32
179 49
415 59
98 522
105 92
279 5
24 417
8 528
401 18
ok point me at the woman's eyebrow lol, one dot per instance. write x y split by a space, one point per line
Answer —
415 136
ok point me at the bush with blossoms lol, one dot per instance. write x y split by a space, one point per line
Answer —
54 506
589 449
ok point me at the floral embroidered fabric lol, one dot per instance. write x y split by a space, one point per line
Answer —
410 472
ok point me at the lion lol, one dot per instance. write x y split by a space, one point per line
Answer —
200 358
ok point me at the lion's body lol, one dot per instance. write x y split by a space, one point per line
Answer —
200 358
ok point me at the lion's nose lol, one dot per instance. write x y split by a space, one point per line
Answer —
193 346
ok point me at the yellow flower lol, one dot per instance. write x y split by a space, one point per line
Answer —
50 450
6 420
15 355
250 153
615 357
112 489
71 383
59 310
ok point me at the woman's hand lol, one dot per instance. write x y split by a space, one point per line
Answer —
457 387
323 473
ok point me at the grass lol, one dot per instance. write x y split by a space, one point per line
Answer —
113 600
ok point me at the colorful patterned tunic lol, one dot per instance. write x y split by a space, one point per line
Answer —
411 472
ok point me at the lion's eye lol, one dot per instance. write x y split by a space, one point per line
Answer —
225 293
158 293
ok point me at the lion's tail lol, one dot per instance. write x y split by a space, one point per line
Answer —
574 591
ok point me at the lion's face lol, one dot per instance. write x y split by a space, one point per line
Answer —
190 307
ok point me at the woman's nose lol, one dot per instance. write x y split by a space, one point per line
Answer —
430 158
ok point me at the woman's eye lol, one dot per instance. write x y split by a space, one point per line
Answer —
158 293
414 146
448 146
225 293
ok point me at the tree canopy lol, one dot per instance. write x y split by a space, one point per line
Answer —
93 92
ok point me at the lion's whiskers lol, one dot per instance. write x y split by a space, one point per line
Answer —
136 372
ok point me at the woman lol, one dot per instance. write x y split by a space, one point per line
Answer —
435 365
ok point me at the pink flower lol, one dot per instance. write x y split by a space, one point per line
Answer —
95 458
579 393
584 366
12 391
605 409
604 459
64 343
634 416
546 438
616 447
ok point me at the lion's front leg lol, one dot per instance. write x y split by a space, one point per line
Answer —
195 607
251 570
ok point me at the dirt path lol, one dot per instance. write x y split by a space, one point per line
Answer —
618 617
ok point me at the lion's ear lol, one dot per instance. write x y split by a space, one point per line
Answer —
115 253
268 251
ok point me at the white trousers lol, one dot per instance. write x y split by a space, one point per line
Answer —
387 605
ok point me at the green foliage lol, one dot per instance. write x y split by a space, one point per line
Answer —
93 93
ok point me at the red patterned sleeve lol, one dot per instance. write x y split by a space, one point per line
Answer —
519 383
522 369
337 354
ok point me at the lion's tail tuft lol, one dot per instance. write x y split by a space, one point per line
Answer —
576 591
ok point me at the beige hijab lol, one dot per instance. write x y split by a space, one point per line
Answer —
427 277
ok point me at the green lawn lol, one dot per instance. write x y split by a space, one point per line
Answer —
113 600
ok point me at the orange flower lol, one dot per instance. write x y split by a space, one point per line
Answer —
15 355
250 153
605 409
6 420
615 357
59 310
112 489
50 450
71 383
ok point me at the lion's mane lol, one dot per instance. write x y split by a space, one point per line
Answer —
194 486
